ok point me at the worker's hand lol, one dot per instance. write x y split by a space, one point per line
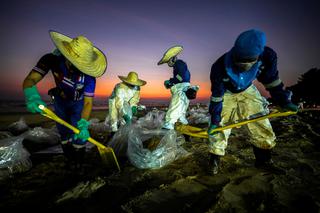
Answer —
167 84
290 107
212 127
127 119
84 134
33 99
134 110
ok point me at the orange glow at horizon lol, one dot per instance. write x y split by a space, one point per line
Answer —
153 89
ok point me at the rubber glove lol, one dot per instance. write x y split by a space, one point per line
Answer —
167 84
84 134
290 107
134 110
33 99
212 127
127 119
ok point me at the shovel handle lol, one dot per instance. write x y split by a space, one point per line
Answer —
51 115
48 113
272 115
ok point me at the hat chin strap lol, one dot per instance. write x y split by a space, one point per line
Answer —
172 61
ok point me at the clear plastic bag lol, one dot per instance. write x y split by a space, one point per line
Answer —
119 141
153 119
199 115
39 138
166 151
146 144
14 158
18 127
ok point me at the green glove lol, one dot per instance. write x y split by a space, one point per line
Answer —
127 119
134 110
212 127
33 99
290 107
84 134
167 84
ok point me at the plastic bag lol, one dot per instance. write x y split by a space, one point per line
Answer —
39 138
199 115
18 127
119 141
14 158
166 151
153 120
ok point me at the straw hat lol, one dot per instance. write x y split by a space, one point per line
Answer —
81 53
171 52
132 79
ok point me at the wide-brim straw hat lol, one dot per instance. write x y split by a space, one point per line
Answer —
81 53
132 79
171 52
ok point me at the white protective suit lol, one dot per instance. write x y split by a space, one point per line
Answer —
178 106
240 106
122 99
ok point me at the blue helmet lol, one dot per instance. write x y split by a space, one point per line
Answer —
249 44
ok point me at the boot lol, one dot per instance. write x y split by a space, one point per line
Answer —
112 134
79 154
263 157
214 161
68 152
264 161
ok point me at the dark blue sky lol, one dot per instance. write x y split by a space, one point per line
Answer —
134 35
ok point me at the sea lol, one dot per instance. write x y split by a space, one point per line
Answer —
18 106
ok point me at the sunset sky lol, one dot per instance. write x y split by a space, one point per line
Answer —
134 35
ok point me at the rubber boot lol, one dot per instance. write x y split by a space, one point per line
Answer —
79 154
264 161
263 157
68 152
214 162
112 134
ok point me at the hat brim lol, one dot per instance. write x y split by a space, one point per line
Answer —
171 52
95 68
139 82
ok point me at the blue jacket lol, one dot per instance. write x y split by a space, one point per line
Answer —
181 73
224 77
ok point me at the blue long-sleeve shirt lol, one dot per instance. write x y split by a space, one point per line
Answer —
224 77
181 73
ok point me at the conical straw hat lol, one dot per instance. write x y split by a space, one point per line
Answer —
81 53
133 79
171 52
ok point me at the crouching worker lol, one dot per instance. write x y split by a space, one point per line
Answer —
75 64
178 85
123 101
234 97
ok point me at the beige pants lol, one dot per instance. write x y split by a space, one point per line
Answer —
240 106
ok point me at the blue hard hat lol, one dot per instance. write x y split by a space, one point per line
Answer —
249 44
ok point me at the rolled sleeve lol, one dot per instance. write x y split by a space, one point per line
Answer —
89 86
45 64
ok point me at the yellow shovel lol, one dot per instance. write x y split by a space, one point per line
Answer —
201 133
103 150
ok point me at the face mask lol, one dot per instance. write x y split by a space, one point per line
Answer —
245 66
172 61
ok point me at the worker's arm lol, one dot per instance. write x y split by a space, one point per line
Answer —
87 107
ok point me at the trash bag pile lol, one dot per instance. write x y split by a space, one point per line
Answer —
198 115
14 158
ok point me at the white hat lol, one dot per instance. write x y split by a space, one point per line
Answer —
81 53
133 79
171 52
